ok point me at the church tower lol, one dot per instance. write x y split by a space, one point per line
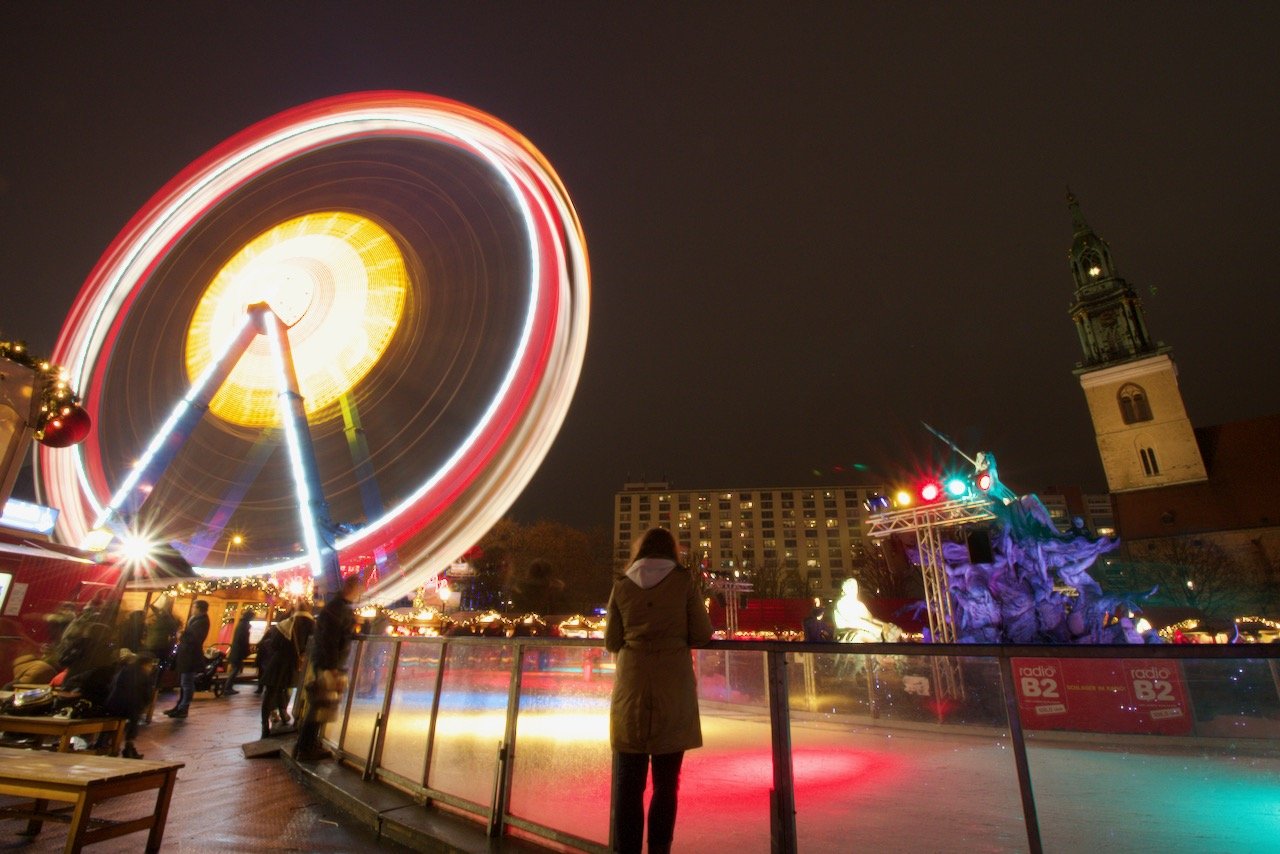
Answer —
1130 382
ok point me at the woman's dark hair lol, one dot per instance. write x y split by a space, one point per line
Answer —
655 542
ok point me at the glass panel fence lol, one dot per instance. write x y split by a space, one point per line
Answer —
880 762
724 789
367 691
1173 754
404 746
560 771
891 749
471 723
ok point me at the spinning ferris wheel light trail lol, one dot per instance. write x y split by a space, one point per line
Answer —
421 266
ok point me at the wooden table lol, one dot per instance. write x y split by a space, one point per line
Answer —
82 781
66 728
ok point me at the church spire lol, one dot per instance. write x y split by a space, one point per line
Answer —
1106 309
1078 224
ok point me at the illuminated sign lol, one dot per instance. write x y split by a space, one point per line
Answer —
25 516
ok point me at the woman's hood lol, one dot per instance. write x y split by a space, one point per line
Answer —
649 571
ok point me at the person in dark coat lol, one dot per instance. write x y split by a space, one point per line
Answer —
656 614
326 671
129 696
190 659
817 628
159 634
280 655
130 631
239 651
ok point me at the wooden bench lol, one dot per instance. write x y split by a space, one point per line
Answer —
81 782
64 729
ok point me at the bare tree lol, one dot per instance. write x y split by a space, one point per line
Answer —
775 580
1197 573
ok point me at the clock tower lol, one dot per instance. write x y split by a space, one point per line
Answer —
1130 382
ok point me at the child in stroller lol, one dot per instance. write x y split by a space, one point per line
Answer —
208 677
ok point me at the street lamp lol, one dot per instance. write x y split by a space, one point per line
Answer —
236 540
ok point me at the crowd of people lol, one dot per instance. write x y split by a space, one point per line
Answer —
98 665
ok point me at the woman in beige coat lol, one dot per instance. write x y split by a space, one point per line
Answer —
656 614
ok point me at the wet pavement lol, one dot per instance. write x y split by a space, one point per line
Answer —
222 801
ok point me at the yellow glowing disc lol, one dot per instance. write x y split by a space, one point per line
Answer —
337 280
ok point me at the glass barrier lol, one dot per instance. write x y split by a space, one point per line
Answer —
878 761
367 690
562 741
1153 753
471 723
891 747
725 784
408 726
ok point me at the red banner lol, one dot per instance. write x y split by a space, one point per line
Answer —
1102 695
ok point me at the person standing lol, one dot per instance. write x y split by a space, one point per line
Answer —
239 651
190 658
279 660
158 637
128 697
656 614
817 629
335 627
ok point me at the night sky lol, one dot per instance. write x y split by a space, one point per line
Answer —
811 225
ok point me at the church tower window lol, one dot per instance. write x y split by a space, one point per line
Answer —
1149 464
1133 404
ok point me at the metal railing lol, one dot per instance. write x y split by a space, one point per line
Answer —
513 731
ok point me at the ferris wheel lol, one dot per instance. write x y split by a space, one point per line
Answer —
345 336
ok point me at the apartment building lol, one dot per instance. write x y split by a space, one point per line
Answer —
816 530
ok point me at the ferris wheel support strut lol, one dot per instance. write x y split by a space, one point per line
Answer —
123 508
319 532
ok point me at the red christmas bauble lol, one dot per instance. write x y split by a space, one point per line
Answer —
66 428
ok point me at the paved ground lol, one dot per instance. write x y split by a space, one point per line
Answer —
222 801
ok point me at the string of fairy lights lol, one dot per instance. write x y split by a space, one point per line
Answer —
58 401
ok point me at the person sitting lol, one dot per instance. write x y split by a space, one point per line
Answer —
31 669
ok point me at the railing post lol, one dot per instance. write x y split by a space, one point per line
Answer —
435 713
782 799
1020 755
506 750
380 724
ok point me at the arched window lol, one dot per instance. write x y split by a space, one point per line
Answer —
1133 404
1149 464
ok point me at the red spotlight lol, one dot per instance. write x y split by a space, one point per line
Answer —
930 490
983 481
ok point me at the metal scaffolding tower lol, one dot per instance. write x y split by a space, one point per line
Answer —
927 521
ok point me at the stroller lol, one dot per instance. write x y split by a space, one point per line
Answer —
208 677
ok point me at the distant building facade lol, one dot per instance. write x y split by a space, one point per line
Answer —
819 532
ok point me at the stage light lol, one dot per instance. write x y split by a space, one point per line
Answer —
903 498
956 487
930 490
982 481
876 503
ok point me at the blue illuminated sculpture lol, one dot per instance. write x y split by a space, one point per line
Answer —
1021 597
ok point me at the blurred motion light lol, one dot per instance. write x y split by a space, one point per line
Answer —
337 280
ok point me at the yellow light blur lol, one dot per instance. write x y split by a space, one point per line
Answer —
903 498
337 280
